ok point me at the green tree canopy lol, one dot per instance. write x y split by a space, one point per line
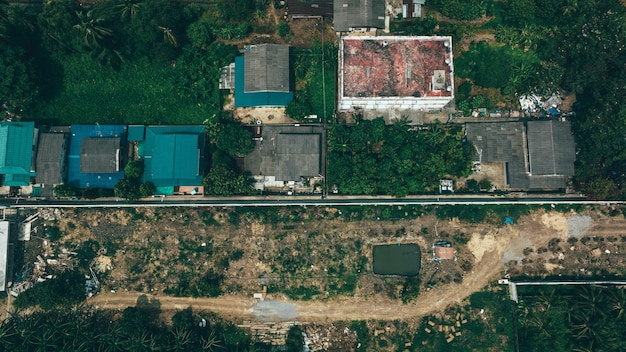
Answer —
134 169
373 158
223 181
295 339
127 189
66 290
235 139
17 88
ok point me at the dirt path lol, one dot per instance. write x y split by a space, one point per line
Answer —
345 308
492 251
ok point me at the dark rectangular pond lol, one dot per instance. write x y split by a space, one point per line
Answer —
393 259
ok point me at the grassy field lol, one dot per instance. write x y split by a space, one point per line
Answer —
138 93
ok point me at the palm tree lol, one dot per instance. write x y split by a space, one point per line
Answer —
92 31
128 9
211 342
546 297
617 302
168 36
571 7
589 302
182 338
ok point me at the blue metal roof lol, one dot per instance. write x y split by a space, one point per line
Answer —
243 99
92 180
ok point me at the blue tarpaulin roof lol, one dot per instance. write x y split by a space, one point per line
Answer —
243 99
92 180
173 155
16 152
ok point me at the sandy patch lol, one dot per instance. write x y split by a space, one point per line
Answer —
265 115
557 222
481 244
552 267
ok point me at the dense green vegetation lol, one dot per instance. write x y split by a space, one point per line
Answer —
582 318
137 328
145 62
131 187
372 158
66 290
315 70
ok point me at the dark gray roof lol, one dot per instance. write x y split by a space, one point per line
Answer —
100 155
358 13
311 8
297 155
50 158
551 148
266 68
511 143
501 142
287 152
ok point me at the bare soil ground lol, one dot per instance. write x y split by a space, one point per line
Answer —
156 246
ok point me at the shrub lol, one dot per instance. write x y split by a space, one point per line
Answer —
283 30
65 191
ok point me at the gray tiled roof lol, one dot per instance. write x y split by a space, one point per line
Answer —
50 158
266 68
100 155
358 13
551 147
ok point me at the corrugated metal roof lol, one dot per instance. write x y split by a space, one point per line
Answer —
50 158
174 155
509 143
136 133
297 155
311 8
552 148
100 155
296 152
358 14
244 99
16 148
266 68
4 255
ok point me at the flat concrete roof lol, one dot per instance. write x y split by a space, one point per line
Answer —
395 72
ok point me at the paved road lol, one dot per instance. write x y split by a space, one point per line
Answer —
282 201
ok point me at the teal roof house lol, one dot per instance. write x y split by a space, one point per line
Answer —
173 155
262 76
16 153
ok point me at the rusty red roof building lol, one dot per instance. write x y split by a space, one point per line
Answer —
395 72
444 253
